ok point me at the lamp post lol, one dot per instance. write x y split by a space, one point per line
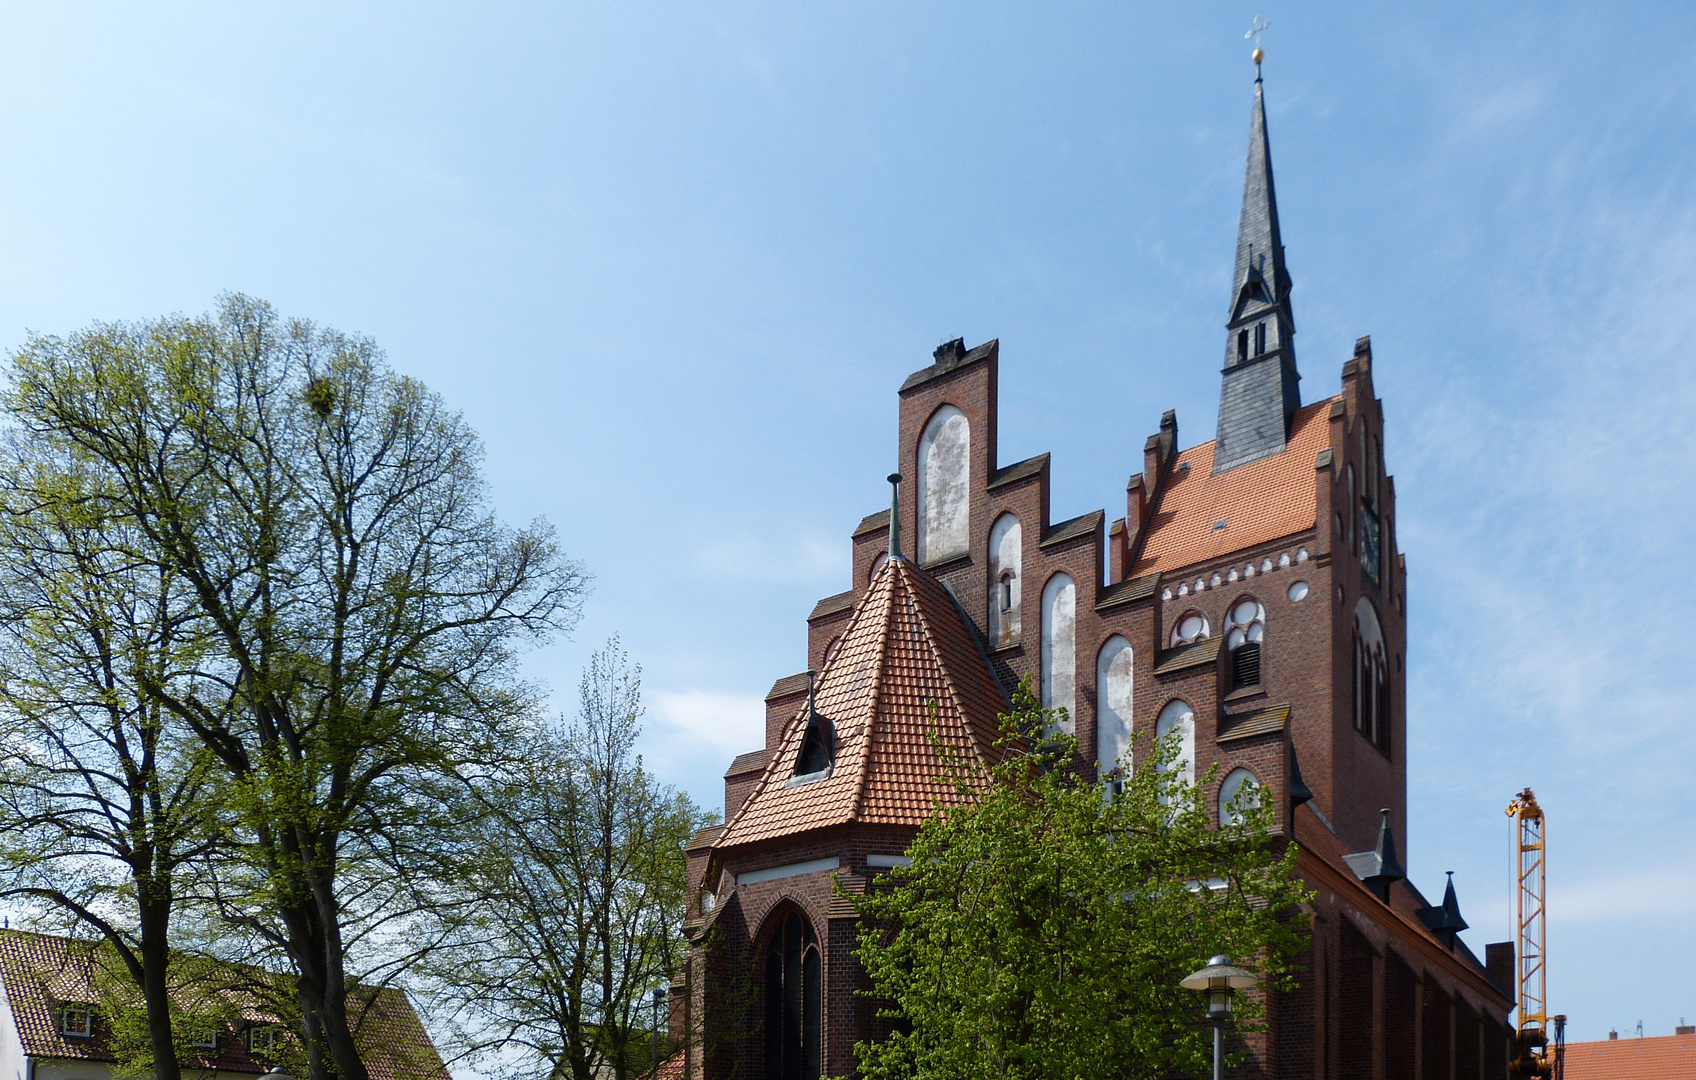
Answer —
659 999
1218 979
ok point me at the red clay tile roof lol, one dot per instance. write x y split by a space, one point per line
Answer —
1258 502
907 665
1659 1057
42 973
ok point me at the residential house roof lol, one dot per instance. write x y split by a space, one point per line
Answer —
43 973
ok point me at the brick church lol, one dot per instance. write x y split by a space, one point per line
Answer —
1252 598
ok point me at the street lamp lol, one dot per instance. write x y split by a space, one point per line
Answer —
659 999
1219 978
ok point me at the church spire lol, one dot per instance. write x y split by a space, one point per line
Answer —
1260 395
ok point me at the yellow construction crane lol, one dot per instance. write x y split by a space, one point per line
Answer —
1533 1055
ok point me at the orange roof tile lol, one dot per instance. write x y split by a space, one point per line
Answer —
42 972
1659 1057
1258 502
908 664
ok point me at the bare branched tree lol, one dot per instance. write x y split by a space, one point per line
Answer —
584 879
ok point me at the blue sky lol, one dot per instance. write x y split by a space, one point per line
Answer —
673 263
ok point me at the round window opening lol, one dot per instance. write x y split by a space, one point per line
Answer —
1298 590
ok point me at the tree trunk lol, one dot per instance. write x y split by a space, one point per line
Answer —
155 974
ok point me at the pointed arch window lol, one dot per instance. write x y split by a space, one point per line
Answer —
1245 628
944 494
1240 792
1260 339
1177 719
1005 541
1113 672
1059 648
794 987
1371 689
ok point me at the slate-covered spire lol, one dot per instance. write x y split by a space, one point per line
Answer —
1381 867
1445 920
1260 395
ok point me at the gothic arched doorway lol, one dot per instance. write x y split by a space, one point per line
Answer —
794 1001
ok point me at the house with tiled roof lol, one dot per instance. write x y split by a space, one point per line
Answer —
1251 600
52 1026
1657 1057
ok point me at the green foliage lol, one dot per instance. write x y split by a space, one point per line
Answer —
1043 927
203 1005
341 612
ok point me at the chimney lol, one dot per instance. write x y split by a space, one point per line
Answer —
1498 961
1159 450
1136 508
950 353
1683 1028
1118 552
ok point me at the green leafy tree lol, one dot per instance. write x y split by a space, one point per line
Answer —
580 895
1043 926
326 523
106 802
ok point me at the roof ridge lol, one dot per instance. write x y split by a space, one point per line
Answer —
876 683
960 709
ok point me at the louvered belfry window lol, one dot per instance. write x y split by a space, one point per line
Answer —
1244 629
1245 665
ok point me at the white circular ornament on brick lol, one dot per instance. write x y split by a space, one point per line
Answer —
1297 590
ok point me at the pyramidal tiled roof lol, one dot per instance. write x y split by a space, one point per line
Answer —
908 665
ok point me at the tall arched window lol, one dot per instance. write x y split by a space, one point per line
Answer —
1239 792
794 1001
944 486
1177 717
1005 539
1371 677
1113 709
1060 648
1245 626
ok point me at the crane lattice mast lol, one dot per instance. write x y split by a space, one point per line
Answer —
1533 1057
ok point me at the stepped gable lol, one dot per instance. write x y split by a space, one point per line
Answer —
1259 502
908 664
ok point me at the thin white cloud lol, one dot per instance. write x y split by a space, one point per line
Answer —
1658 895
788 561
708 723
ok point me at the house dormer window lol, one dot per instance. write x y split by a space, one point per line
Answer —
76 1022
262 1040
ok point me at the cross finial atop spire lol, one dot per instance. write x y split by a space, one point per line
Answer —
1259 398
1260 27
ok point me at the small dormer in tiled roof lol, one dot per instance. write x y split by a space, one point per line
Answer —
908 666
